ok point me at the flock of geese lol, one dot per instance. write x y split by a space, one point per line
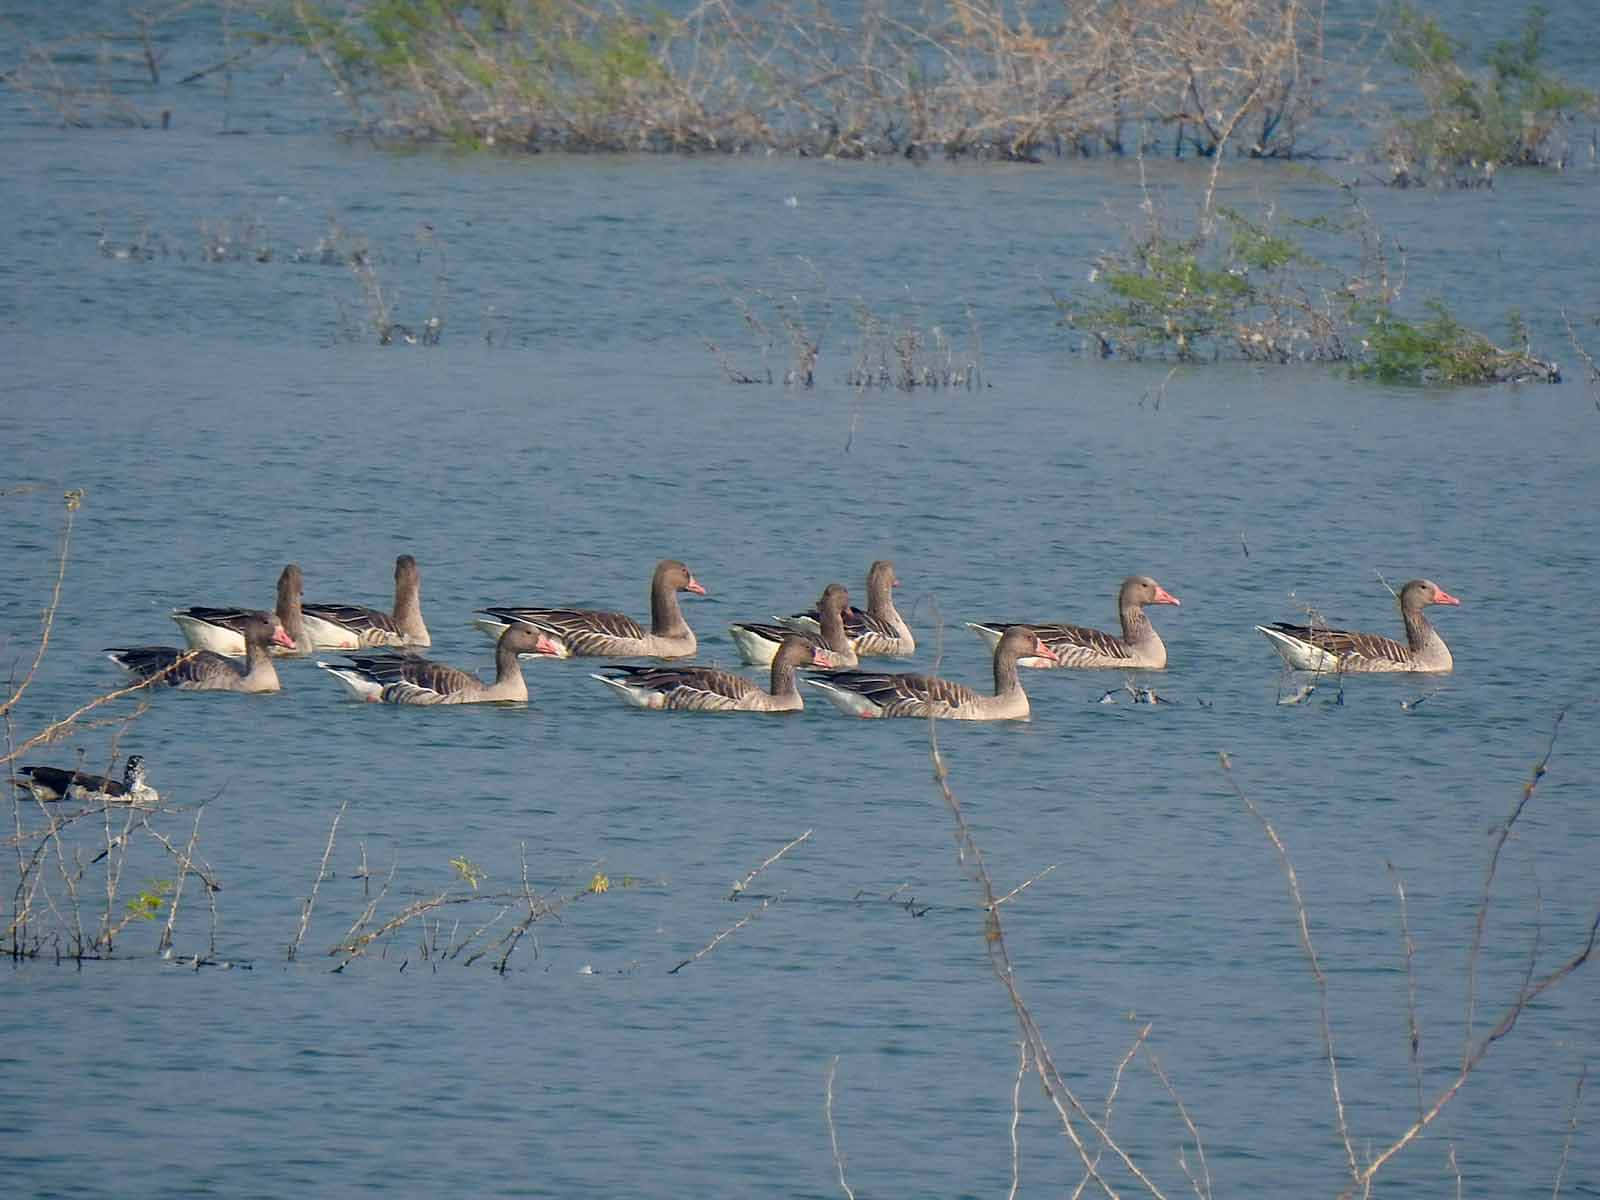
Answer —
381 663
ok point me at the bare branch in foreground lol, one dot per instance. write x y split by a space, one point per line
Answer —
1016 1118
741 885
311 900
1111 1096
183 874
47 622
732 929
1311 956
1412 1029
1068 1107
1026 883
833 1134
1572 1130
1202 1184
1502 835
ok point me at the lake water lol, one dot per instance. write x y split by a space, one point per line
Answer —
570 428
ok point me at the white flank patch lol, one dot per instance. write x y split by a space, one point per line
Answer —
362 687
845 700
202 635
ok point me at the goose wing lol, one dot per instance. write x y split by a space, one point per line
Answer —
707 689
900 694
413 678
354 617
223 618
585 631
197 667
1077 637
1343 643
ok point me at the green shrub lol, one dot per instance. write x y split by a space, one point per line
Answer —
1510 115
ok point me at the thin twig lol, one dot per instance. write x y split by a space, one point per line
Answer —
1502 835
739 887
165 943
1311 955
322 870
1026 883
1413 1031
833 1134
48 620
1572 1131
712 944
1016 1118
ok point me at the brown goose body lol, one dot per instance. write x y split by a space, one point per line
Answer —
591 633
707 689
875 694
220 630
1339 651
355 627
759 643
410 679
1139 648
205 671
880 630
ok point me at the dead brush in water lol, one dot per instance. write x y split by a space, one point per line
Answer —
904 356
485 924
980 79
899 354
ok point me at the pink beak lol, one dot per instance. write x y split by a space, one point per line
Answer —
694 586
821 658
281 638
546 645
1040 650
1165 597
1440 596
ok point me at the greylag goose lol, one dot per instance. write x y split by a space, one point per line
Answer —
352 627
871 694
409 679
55 783
218 629
759 643
1312 648
706 689
880 631
1140 646
206 671
589 633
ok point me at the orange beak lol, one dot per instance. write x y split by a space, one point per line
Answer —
1440 596
694 586
1040 650
281 638
1164 597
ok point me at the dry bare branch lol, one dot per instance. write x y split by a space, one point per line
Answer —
833 1133
1304 923
316 884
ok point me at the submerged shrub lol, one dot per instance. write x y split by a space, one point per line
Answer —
1475 121
1238 288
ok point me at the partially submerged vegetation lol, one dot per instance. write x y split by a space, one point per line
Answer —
1254 289
976 79
1515 113
904 353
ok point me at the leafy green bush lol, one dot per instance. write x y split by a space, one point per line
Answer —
1240 289
1508 116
